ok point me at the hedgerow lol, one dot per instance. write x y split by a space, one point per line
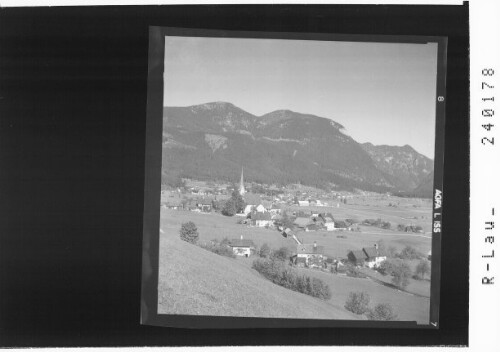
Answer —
278 273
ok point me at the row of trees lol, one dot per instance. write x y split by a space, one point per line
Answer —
277 272
401 271
359 303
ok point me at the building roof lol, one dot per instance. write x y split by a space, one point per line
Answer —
266 203
327 216
310 249
341 224
261 216
372 252
359 255
241 243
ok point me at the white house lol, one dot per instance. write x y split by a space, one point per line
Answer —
303 203
330 226
248 209
374 257
309 255
241 247
260 208
260 219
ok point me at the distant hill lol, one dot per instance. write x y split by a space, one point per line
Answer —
425 188
213 141
408 167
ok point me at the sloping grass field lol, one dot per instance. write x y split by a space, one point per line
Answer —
193 281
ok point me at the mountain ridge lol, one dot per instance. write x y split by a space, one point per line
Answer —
282 146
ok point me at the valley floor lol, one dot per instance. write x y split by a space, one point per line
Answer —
194 281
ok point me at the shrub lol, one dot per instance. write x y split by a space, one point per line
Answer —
409 253
358 302
382 312
220 248
352 271
189 232
385 268
401 274
385 225
264 251
320 289
281 254
278 273
422 268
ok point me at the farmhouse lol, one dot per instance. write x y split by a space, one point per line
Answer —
341 225
260 219
374 256
242 247
205 206
174 204
356 257
329 225
309 255
326 217
303 203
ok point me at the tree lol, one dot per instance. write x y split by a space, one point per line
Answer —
358 302
229 208
264 251
391 251
239 203
401 274
382 312
422 268
189 232
286 221
385 268
409 253
281 254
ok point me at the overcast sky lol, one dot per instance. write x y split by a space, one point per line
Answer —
383 93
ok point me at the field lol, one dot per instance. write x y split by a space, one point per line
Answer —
195 281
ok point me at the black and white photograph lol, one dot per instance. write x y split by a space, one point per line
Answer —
297 178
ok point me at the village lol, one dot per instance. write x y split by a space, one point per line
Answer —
291 212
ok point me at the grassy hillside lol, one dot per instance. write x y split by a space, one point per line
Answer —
190 277
193 281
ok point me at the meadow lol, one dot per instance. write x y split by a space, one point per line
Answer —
195 281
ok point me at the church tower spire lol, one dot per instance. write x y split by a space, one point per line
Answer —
242 184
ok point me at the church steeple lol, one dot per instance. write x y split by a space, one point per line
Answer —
242 184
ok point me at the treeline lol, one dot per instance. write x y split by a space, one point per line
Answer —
277 272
